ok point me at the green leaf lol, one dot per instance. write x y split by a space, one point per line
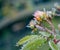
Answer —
58 36
53 45
44 34
34 44
45 46
58 45
25 39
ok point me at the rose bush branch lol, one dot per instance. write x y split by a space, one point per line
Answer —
37 22
42 34
52 26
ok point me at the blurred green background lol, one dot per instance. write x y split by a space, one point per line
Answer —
15 16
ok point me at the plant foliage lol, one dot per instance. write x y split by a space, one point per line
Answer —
43 37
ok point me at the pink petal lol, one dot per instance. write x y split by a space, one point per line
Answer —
38 13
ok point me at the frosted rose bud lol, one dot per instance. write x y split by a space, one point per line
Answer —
38 14
32 24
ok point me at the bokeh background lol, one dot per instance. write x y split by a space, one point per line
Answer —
15 16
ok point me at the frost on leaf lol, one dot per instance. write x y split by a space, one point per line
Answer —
52 45
26 39
34 43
